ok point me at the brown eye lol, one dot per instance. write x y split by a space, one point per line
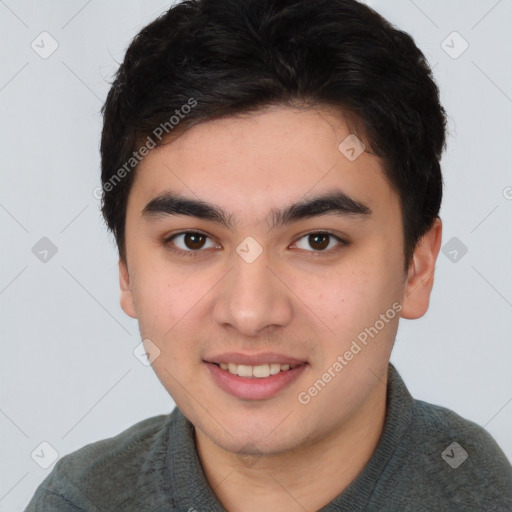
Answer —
194 240
319 242
189 242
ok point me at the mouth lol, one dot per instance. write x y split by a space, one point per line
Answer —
260 371
254 377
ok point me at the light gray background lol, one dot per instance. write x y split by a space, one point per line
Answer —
68 373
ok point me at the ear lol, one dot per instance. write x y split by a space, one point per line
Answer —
420 275
127 303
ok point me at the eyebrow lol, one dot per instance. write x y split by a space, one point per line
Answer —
334 202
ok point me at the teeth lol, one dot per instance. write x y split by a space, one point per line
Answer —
244 370
275 368
260 372
263 370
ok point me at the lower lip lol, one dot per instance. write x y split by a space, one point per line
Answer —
254 388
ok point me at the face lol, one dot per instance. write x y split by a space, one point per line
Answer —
223 272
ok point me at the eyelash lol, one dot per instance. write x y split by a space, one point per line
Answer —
192 253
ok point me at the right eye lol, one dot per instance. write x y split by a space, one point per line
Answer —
188 242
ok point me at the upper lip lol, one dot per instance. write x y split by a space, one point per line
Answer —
253 359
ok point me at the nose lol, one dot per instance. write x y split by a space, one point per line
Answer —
252 299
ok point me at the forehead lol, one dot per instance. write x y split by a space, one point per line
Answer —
252 163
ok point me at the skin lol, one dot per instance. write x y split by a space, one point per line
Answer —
293 299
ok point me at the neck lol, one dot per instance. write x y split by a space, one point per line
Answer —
306 479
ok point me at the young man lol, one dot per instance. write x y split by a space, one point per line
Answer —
271 173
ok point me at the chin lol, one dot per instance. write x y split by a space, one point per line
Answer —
256 436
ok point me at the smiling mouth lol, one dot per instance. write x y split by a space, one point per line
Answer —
260 371
268 374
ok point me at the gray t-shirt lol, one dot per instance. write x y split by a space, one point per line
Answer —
428 459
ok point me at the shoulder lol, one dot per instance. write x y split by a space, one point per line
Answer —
137 441
454 458
439 425
104 474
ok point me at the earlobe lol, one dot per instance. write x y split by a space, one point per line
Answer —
420 276
127 303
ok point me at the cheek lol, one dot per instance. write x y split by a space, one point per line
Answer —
358 295
160 299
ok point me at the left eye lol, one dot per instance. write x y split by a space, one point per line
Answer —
319 241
